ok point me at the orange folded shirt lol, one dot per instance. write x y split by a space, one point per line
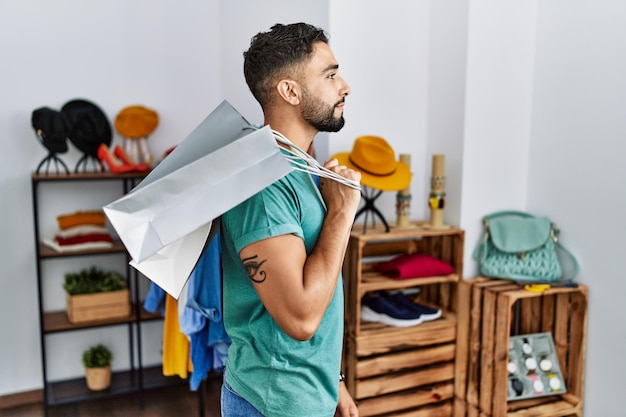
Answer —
79 218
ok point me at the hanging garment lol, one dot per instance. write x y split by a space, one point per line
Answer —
155 299
176 359
202 320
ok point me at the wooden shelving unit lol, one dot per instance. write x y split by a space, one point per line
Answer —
405 371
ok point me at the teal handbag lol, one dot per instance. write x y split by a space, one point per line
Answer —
521 247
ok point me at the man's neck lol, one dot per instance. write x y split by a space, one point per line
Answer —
299 133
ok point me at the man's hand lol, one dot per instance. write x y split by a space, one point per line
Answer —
338 196
346 406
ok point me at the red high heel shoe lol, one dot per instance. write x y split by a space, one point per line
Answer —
111 161
123 156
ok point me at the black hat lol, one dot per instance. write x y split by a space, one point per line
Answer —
90 126
52 127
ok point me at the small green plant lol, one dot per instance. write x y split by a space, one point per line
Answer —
98 356
93 280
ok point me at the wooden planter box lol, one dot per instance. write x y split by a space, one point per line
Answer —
489 312
99 306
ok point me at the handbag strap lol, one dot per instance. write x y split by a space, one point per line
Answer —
507 213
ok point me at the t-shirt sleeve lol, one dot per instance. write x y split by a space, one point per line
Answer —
273 211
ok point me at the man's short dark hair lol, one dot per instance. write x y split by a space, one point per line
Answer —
277 54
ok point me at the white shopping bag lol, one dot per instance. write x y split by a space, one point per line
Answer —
164 222
171 266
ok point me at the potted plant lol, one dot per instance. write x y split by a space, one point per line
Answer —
97 362
94 294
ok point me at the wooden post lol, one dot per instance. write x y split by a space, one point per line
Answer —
437 197
403 200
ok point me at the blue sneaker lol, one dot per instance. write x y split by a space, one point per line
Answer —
426 313
381 309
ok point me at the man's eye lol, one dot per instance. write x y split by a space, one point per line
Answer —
332 76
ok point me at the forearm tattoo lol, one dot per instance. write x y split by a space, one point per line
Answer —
253 269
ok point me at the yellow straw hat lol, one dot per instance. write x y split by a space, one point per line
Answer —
376 160
135 122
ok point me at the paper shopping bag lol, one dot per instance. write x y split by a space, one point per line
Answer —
171 266
220 164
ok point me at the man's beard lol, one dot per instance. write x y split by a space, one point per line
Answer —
320 115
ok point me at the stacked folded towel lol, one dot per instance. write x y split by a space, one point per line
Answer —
80 231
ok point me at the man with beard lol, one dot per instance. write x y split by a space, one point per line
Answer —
283 249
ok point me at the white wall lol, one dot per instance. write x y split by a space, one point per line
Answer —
382 49
577 169
447 63
525 99
238 27
500 54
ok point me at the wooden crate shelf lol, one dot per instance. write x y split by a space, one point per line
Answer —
375 282
405 379
434 401
489 313
402 371
379 338
385 364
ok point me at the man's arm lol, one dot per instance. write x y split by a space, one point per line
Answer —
296 289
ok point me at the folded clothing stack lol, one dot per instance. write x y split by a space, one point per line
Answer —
395 309
80 231
414 265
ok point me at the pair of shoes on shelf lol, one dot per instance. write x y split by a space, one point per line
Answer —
118 161
396 309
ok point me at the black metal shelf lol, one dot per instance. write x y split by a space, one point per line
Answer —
133 381
123 382
88 176
57 321
48 252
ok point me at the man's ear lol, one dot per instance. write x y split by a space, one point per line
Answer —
289 90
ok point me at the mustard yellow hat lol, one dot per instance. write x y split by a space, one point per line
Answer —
135 122
376 160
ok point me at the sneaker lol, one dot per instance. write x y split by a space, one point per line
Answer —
381 309
426 313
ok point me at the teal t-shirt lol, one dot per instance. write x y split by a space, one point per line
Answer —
279 375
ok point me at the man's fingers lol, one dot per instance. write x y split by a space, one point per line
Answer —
333 162
349 173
